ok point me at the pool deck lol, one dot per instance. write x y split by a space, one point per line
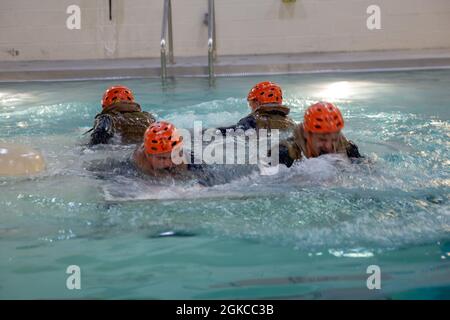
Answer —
13 71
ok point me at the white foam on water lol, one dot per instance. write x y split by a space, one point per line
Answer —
213 113
351 253
321 171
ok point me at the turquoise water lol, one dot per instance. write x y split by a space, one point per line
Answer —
310 232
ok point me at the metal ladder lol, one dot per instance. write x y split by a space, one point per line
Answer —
211 40
166 27
167 49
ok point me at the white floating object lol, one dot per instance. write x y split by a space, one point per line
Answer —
17 160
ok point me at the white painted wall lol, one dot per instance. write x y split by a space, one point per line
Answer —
36 30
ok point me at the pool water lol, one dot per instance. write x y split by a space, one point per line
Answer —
308 232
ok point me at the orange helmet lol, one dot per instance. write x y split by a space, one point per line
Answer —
266 92
117 93
161 137
323 117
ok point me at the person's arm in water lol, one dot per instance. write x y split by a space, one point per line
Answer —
224 130
150 116
284 157
288 152
244 124
103 130
352 150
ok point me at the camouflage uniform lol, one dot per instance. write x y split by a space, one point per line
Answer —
125 119
265 117
294 148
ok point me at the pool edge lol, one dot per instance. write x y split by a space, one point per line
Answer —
226 66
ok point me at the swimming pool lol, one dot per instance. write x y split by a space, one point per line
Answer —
310 232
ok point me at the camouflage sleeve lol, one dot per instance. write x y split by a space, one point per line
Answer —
284 157
150 116
103 130
352 150
249 122
224 130
349 147
287 152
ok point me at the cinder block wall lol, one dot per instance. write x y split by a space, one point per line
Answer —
36 30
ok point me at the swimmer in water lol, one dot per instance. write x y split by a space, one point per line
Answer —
320 133
161 143
121 116
265 100
162 155
161 158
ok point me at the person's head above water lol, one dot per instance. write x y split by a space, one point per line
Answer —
160 140
322 126
263 93
116 94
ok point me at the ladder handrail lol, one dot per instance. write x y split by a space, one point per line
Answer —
166 25
211 39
